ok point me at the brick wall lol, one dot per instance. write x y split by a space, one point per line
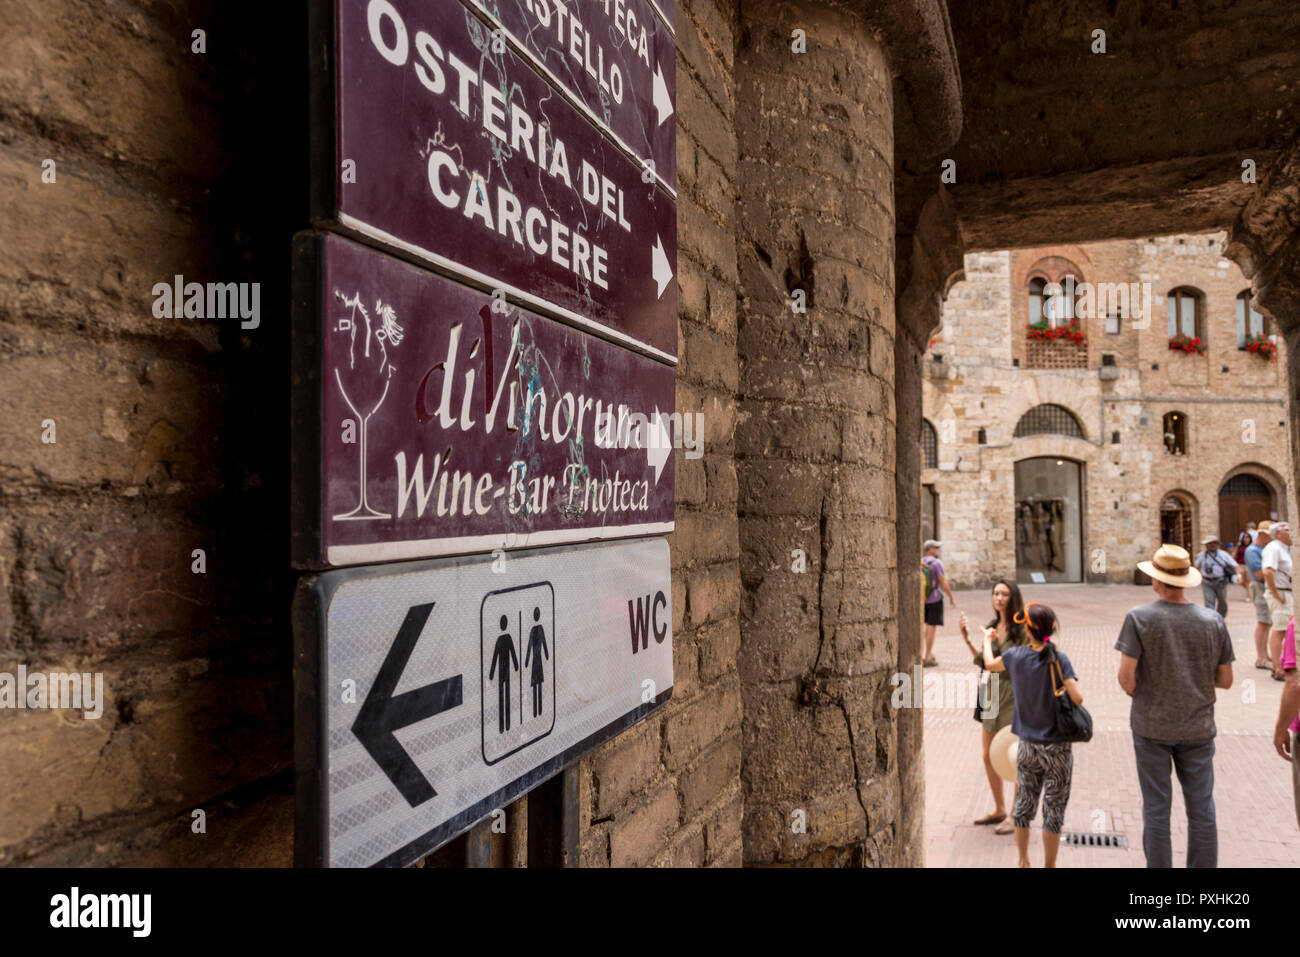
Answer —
170 433
668 792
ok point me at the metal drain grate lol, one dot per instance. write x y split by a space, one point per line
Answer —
1089 839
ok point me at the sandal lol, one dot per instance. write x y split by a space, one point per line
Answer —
1006 827
1264 664
1278 676
930 662
994 818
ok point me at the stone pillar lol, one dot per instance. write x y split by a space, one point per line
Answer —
815 438
1265 243
933 265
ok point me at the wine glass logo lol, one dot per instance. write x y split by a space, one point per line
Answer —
364 382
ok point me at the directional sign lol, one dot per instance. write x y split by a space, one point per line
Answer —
616 58
667 10
430 694
447 145
433 419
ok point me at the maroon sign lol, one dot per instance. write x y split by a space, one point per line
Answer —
616 57
667 10
450 147
434 419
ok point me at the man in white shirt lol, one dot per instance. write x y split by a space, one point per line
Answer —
1276 567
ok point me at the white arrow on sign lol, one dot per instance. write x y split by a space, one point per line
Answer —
663 100
659 446
661 267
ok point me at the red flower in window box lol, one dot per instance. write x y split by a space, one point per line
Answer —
1189 344
1262 346
1042 332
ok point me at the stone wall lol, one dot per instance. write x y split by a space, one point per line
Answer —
168 435
668 791
814 439
1233 402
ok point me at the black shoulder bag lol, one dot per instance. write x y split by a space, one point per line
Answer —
1073 723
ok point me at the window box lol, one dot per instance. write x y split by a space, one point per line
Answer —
1192 345
1056 347
1262 346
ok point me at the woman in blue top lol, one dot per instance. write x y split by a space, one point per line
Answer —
1044 763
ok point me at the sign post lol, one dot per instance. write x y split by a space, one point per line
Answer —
616 60
439 420
484 340
431 693
437 140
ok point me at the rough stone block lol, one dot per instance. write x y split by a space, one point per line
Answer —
693 728
709 775
65 274
719 645
635 839
120 417
623 769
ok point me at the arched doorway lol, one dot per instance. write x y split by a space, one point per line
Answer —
1177 513
1243 498
1049 520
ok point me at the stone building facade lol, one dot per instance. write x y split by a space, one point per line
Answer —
1075 460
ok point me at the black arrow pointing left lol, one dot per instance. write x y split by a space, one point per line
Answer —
382 713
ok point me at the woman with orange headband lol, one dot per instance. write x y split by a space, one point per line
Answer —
1044 762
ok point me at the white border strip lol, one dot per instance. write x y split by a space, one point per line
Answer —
338 555
664 17
559 86
545 306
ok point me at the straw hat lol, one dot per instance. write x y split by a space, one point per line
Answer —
1264 526
1003 750
1171 565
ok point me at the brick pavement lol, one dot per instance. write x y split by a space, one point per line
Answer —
1253 798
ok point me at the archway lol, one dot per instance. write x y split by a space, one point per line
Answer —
1049 520
1244 498
1178 520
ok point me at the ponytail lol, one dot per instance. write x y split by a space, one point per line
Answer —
1040 624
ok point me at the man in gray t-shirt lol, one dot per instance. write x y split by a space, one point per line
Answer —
1173 654
1178 647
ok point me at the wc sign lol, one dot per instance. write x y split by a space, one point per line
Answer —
518 668
431 693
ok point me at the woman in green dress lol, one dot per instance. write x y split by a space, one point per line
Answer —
997 704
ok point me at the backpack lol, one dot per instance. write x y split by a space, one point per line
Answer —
927 580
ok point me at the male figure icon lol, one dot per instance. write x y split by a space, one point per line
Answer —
503 656
536 650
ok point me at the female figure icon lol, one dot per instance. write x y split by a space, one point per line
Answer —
536 650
